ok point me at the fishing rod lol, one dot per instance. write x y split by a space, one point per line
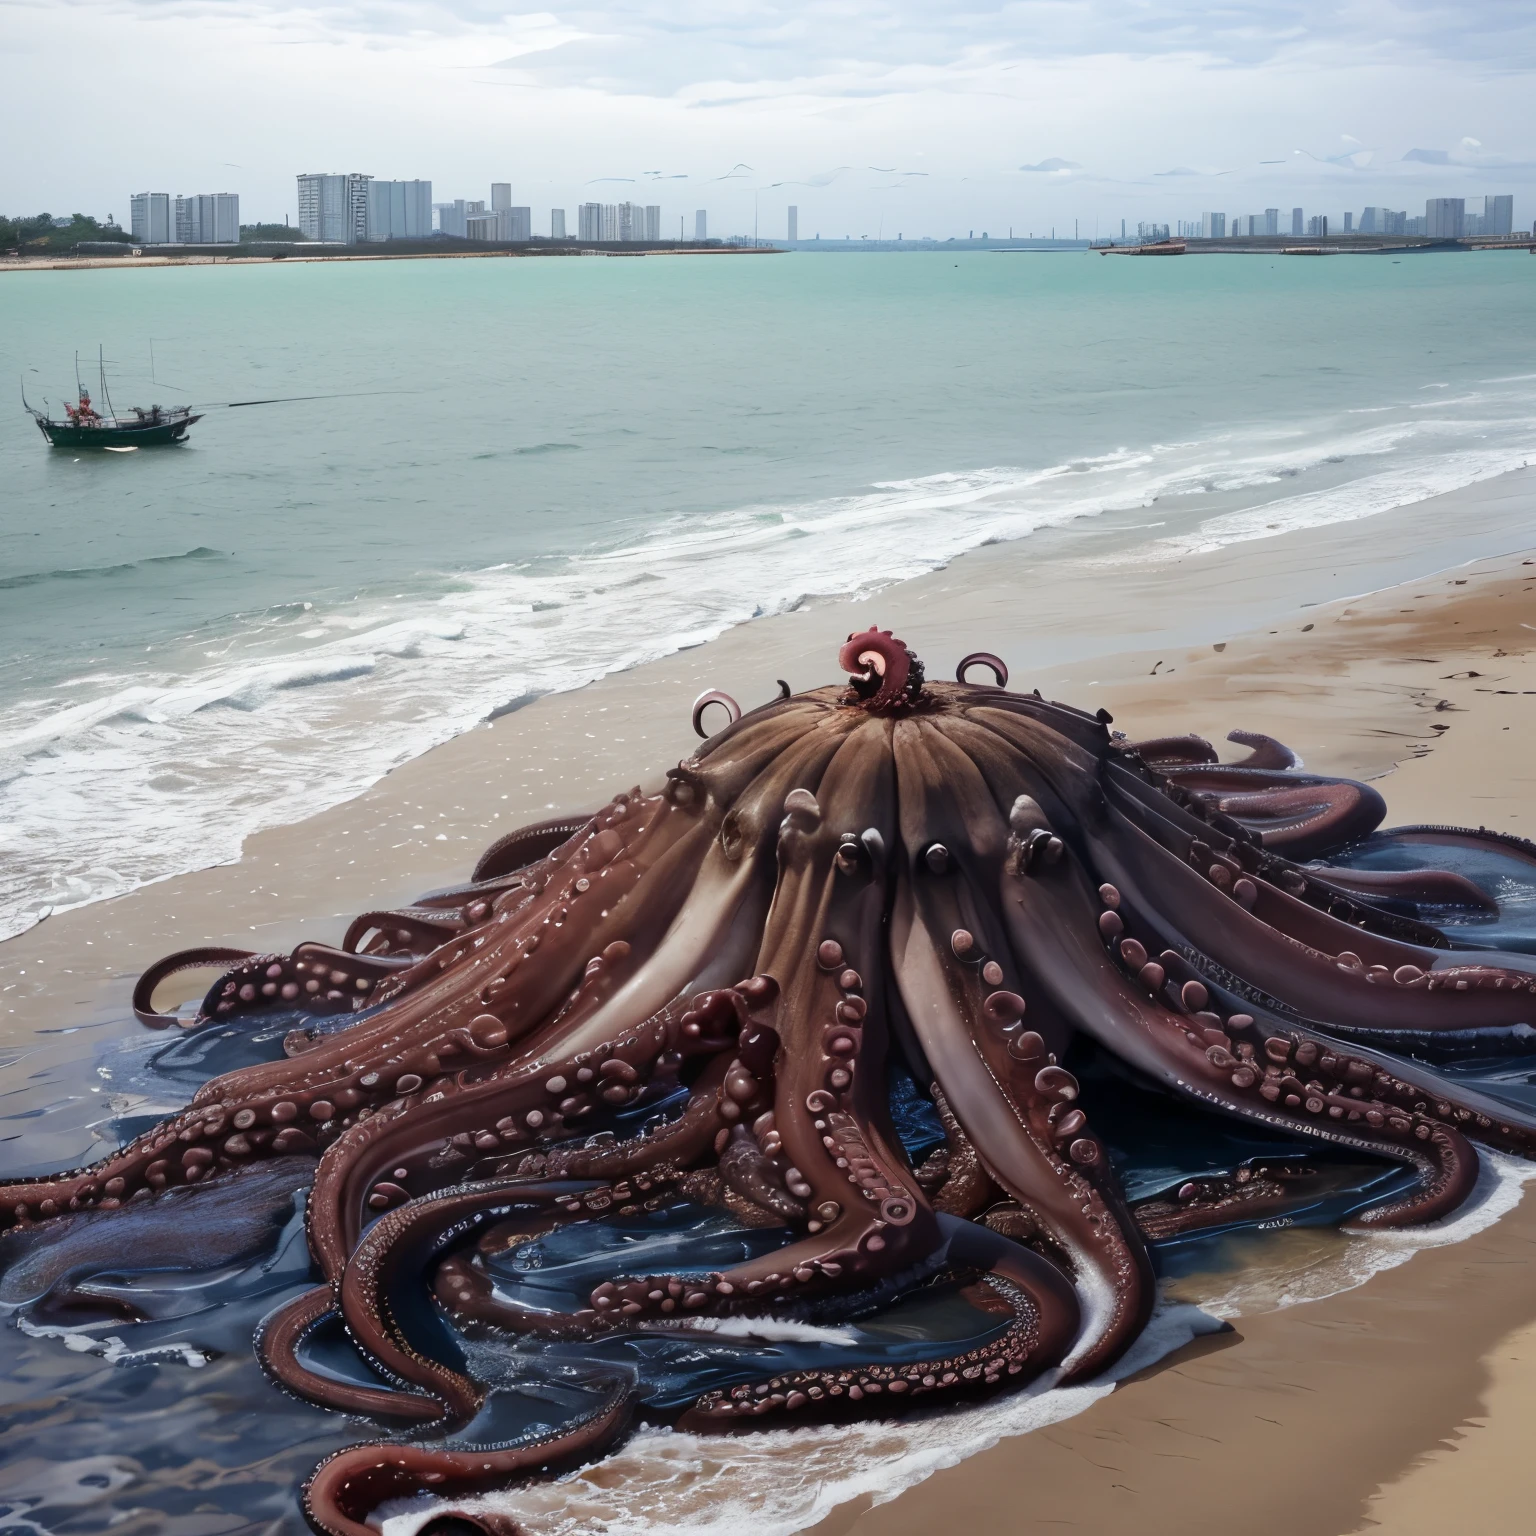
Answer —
359 394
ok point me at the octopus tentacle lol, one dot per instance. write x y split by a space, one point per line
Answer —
967 1187
377 1162
1203 1055
346 1486
1042 1318
1001 1078
183 960
824 944
1266 751
282 1334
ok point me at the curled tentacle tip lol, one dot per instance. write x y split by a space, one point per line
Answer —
714 696
994 664
882 673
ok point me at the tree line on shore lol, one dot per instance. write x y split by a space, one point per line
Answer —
42 233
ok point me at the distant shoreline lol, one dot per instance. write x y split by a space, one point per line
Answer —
301 253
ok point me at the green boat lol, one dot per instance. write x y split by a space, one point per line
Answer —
85 427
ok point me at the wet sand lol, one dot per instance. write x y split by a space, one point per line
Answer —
1293 1422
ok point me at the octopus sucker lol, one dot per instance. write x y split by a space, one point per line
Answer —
841 992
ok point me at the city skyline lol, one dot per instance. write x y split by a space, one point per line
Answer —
357 208
903 116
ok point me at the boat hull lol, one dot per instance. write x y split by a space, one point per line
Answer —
63 434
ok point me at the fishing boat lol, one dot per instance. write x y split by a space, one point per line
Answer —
83 426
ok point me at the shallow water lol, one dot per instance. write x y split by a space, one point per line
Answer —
524 474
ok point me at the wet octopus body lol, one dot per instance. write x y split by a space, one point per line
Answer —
699 992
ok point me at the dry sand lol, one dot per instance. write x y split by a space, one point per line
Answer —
1371 1410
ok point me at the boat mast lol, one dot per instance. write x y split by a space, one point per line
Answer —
106 393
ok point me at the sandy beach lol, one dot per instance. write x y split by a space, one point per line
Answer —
1397 648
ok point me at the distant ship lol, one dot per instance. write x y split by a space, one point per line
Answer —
1155 248
85 427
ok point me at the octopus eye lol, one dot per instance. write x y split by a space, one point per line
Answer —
731 836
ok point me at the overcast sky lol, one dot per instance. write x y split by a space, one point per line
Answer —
901 117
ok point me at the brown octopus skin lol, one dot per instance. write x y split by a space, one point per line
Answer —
972 876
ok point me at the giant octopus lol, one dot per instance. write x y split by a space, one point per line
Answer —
950 877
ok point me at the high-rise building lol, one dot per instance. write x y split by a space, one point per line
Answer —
1295 221
1372 221
501 195
610 224
515 224
1213 226
211 218
794 224
1445 217
1271 221
589 221
399 210
334 207
149 218
1499 214
637 223
701 225
1349 222
557 223
1317 226
451 218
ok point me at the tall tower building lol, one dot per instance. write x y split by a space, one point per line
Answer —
1271 221
701 225
1445 217
149 218
211 218
399 210
794 224
589 221
334 206
1296 228
557 223
1499 214
501 195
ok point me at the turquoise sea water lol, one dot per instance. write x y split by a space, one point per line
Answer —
532 472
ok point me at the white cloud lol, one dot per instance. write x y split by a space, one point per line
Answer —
926 106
